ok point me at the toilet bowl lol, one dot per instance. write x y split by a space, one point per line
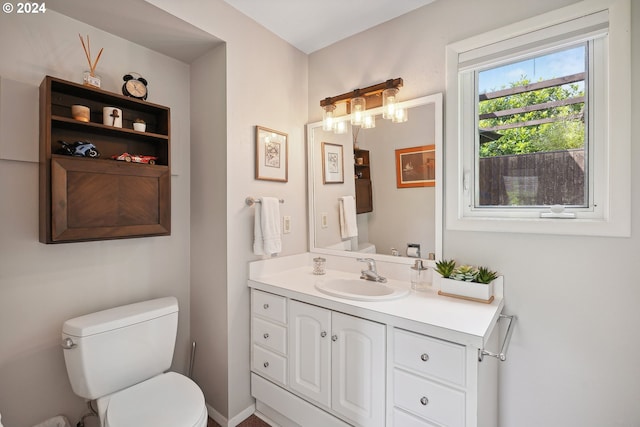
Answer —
167 400
120 357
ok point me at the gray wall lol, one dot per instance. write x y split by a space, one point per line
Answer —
43 285
573 357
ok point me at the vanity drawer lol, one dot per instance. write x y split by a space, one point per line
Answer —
403 419
428 399
269 335
269 364
430 356
269 306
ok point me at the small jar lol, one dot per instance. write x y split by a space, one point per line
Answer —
419 276
89 78
319 264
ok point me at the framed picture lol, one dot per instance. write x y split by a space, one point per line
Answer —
332 163
416 166
272 162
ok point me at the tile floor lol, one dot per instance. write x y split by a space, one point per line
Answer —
252 421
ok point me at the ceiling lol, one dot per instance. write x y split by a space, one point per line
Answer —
142 23
310 25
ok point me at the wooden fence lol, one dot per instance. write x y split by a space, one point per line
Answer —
553 177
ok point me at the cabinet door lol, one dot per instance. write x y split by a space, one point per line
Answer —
358 371
310 351
364 197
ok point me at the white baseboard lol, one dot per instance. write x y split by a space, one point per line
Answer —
234 421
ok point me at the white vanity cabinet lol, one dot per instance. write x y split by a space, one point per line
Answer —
338 361
429 381
269 336
333 362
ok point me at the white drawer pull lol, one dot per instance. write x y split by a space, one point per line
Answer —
424 357
266 306
424 400
266 336
266 365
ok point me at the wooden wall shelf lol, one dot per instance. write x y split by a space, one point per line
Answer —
95 199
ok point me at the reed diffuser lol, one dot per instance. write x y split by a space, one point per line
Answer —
90 78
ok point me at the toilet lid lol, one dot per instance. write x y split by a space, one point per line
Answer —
167 400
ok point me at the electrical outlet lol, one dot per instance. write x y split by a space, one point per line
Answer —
286 224
324 220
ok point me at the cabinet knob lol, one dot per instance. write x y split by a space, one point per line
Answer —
424 400
266 365
424 357
266 335
266 306
334 338
323 334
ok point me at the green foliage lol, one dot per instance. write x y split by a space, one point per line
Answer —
466 273
558 135
445 267
485 275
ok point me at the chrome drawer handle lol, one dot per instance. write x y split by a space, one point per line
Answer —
266 364
323 334
334 338
424 357
424 401
266 306
266 336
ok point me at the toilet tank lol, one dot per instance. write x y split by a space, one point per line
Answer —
117 348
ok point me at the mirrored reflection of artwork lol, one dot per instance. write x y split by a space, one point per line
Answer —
399 216
271 155
332 163
416 166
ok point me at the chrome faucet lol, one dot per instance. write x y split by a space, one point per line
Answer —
371 273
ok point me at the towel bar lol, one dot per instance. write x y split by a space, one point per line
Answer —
502 356
250 201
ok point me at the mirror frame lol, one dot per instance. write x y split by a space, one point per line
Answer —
435 99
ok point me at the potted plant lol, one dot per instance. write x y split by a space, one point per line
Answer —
139 125
465 281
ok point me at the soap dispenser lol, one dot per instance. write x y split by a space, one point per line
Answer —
419 276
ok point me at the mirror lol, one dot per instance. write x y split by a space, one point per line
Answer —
399 216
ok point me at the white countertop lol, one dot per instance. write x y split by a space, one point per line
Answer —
457 320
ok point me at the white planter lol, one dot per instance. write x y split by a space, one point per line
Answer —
470 290
140 127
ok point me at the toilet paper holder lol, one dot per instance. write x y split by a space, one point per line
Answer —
413 250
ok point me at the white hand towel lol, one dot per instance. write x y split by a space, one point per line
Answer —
271 225
258 240
348 221
267 240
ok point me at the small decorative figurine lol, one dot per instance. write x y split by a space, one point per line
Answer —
79 149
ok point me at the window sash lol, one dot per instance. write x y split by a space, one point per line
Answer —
610 136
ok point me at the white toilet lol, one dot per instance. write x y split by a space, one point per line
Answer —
119 358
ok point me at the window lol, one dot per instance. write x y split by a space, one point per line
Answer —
538 120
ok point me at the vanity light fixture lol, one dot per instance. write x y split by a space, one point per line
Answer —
389 103
328 121
340 127
358 107
368 121
400 115
383 94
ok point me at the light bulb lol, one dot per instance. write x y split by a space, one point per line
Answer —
358 107
328 121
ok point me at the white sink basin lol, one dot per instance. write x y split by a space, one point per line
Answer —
359 289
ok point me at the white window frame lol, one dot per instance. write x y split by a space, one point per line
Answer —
609 211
